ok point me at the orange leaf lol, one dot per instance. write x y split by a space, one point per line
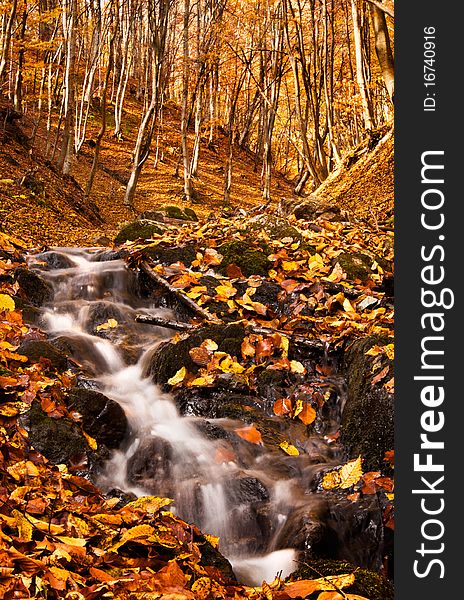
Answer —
250 434
308 414
282 406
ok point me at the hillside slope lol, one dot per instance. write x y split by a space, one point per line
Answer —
41 206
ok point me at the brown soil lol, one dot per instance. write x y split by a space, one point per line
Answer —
48 209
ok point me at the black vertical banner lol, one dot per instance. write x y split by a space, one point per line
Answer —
429 325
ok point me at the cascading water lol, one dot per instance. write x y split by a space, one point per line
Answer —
245 500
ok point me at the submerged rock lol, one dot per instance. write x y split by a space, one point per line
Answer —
54 260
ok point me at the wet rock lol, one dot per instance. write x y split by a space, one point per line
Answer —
368 416
59 440
168 255
54 260
142 229
367 583
124 497
251 258
41 349
100 312
211 557
170 357
303 531
211 430
35 288
102 418
107 255
31 313
151 465
83 352
246 490
354 531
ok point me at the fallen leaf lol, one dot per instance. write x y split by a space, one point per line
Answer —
289 449
178 377
250 434
6 302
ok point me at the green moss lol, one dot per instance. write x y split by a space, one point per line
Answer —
169 255
251 259
367 583
138 229
356 265
368 418
175 212
170 357
275 227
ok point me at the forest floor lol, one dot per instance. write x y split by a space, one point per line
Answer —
42 207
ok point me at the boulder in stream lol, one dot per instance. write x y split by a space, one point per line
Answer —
36 289
169 357
36 350
102 418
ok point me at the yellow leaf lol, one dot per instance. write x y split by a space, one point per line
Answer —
344 478
70 541
110 324
150 504
178 377
24 526
12 409
297 367
225 292
289 449
6 302
139 531
289 265
90 441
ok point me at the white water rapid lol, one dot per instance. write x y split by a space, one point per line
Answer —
243 498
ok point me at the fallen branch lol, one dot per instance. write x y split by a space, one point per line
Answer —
167 323
179 326
198 310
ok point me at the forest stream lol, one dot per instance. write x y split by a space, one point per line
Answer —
256 501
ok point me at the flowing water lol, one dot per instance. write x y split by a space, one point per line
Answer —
248 498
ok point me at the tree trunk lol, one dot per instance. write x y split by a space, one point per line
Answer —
383 49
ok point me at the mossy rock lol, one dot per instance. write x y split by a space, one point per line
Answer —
167 255
356 265
59 440
275 227
142 229
37 349
36 289
175 212
251 259
170 357
368 417
367 583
